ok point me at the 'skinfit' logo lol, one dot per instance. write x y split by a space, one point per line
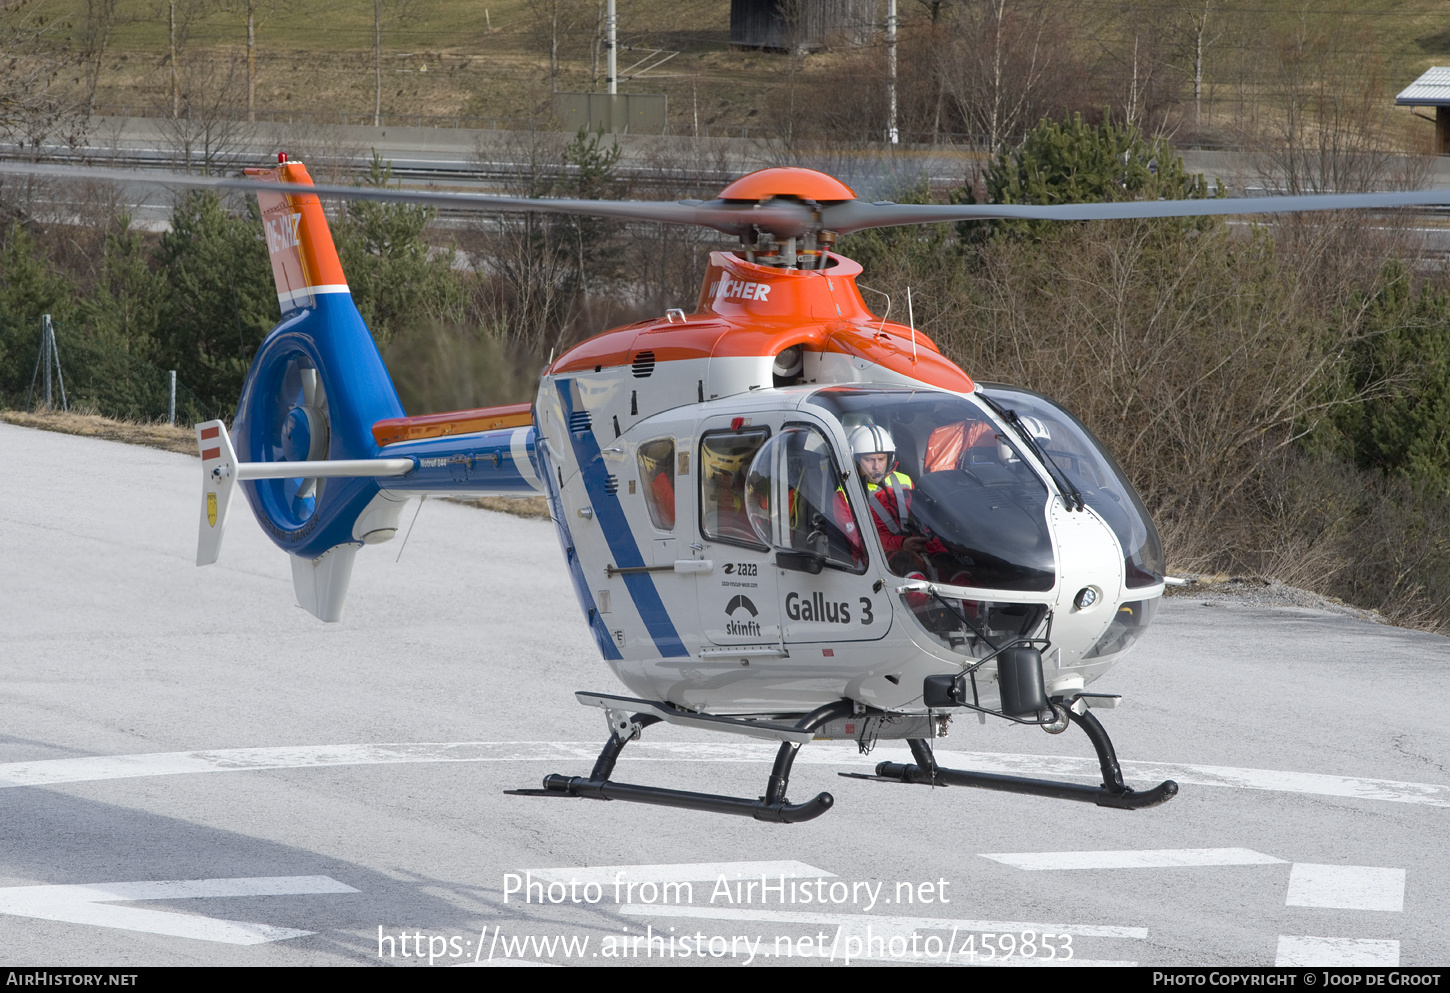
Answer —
750 628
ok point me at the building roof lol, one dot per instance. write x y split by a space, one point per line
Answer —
1430 90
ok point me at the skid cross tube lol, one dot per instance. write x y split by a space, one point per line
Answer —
773 806
1112 793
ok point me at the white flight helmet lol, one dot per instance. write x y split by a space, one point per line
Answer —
870 439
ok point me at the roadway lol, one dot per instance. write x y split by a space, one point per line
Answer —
195 771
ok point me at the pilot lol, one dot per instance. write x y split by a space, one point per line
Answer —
888 489
888 493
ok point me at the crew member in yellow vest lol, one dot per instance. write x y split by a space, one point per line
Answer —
888 490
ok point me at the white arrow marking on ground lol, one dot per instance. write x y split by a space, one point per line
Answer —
49 772
93 904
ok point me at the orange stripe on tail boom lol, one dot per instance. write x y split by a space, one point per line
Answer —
395 429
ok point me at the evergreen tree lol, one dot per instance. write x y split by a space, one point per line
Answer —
1404 430
124 311
222 300
396 281
592 170
116 374
30 286
1075 162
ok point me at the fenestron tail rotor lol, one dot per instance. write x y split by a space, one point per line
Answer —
301 434
311 414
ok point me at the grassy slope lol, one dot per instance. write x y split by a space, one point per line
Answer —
445 60
319 56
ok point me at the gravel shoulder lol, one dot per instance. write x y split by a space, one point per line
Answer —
1254 592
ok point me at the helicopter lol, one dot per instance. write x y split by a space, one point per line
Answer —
736 564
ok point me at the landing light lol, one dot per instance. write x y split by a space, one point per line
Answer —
1086 597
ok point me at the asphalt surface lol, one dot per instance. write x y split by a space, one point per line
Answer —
311 794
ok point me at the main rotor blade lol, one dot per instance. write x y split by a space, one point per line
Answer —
857 215
784 219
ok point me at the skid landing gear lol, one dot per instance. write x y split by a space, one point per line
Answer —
1112 793
773 806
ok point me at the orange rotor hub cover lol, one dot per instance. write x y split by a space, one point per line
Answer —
788 181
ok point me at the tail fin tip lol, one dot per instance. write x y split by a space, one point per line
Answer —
218 478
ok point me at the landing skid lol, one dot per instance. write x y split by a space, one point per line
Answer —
1112 793
773 806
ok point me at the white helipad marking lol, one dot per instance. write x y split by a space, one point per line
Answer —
1303 950
1147 859
50 772
607 875
1346 887
92 904
880 920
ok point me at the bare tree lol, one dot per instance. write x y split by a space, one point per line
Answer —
332 155
1198 361
1203 37
36 107
1143 59
254 14
387 13
999 63
180 17
524 293
211 126
1329 128
553 22
96 28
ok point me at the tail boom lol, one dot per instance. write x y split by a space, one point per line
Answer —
502 462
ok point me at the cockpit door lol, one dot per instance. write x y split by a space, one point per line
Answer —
799 496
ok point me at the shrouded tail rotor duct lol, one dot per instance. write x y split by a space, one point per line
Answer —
285 417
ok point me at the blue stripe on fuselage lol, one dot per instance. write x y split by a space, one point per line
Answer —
615 527
602 637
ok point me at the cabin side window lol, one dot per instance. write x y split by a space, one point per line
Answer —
657 477
725 458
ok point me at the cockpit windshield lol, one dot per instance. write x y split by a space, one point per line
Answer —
950 495
1082 460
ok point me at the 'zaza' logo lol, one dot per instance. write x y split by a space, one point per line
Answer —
729 569
750 628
